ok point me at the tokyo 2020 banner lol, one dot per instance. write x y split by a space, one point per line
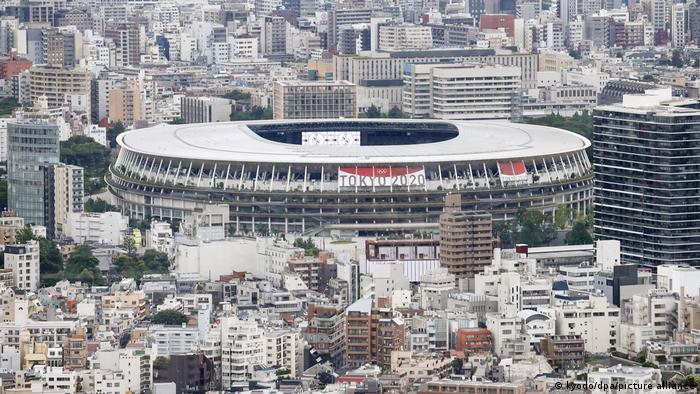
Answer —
381 176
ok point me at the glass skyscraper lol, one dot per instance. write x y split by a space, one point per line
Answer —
31 146
647 179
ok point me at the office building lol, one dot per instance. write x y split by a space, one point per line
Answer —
23 260
31 146
205 109
639 150
314 100
460 91
465 239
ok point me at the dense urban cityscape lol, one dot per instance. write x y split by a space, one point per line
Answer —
349 196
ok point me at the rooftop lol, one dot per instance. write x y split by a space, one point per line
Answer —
474 141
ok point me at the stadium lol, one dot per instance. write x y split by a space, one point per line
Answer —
358 175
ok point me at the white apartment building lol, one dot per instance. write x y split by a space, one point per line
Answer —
101 228
169 340
242 348
53 333
276 257
593 319
285 349
672 277
23 260
135 364
678 25
101 381
509 340
538 324
244 48
160 238
460 91
580 277
656 309
435 286
56 380
67 195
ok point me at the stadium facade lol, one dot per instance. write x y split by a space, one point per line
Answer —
362 175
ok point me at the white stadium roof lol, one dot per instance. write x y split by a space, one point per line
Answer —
234 141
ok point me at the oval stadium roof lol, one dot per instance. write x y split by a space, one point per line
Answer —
234 141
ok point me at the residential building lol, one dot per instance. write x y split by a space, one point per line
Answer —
473 341
126 38
325 331
23 260
564 351
465 239
100 228
242 348
647 236
58 84
593 319
125 104
64 196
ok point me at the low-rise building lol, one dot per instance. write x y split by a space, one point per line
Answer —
564 351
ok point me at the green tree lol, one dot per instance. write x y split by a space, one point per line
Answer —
395 112
308 245
373 112
83 151
82 265
99 205
7 105
504 232
129 243
561 216
255 113
677 59
691 381
237 95
532 228
156 262
50 257
579 234
113 132
151 262
177 121
579 123
169 317
25 234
